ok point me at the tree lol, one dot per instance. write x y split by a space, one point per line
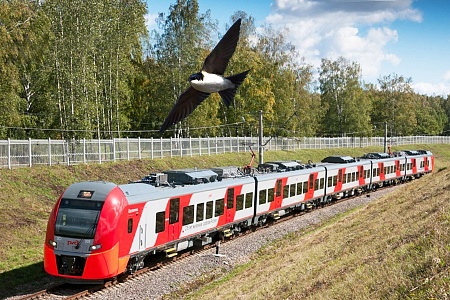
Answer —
347 106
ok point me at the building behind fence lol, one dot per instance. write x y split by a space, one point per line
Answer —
27 153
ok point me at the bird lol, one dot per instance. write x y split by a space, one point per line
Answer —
210 79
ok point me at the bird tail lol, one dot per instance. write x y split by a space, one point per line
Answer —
228 95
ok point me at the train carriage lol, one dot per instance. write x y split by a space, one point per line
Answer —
347 177
278 193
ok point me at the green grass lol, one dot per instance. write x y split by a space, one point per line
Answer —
28 195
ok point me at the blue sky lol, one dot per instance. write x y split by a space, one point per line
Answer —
403 37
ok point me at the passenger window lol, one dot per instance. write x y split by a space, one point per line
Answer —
240 202
271 195
188 215
262 196
292 191
248 200
219 207
200 211
305 187
174 210
286 191
160 221
330 181
311 181
322 182
130 225
209 209
316 184
299 188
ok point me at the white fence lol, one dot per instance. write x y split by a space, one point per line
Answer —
20 153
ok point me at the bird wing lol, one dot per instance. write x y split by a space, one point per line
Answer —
218 59
186 103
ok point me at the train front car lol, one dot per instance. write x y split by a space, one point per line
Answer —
82 242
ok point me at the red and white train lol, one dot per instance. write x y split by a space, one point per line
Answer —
98 230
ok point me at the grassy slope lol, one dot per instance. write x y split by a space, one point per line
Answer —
28 194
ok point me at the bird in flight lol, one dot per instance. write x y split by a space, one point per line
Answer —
210 79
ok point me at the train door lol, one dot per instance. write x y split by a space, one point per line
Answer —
174 219
278 193
230 211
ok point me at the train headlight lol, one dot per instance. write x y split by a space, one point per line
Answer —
95 247
52 243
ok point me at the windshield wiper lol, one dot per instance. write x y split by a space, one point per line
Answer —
91 228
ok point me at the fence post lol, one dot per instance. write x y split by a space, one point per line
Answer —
139 147
161 146
84 151
190 145
9 153
99 151
30 157
128 149
114 149
49 152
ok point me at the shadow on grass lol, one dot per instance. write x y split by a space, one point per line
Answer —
24 280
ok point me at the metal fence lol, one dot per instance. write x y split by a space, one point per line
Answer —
27 153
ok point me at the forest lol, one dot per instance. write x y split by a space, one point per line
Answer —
73 69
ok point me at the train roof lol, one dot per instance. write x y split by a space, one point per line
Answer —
92 190
143 192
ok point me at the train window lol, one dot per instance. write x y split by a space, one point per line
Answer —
230 198
386 170
239 202
286 191
262 196
345 178
340 179
322 183
279 185
188 215
316 184
219 207
357 175
292 191
200 212
209 209
311 181
353 176
271 195
335 180
330 181
299 188
248 200
160 221
130 225
174 210
305 187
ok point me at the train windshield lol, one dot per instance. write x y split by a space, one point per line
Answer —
78 218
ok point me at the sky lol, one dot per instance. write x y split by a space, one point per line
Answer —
403 37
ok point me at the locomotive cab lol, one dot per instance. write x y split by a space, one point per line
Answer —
79 232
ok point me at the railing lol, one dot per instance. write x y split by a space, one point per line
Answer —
27 153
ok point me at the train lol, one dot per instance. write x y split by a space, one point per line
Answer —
99 230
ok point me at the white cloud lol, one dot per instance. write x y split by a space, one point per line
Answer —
437 89
358 30
150 21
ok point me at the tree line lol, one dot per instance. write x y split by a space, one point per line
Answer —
72 69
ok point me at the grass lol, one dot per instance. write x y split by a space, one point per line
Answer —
28 194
